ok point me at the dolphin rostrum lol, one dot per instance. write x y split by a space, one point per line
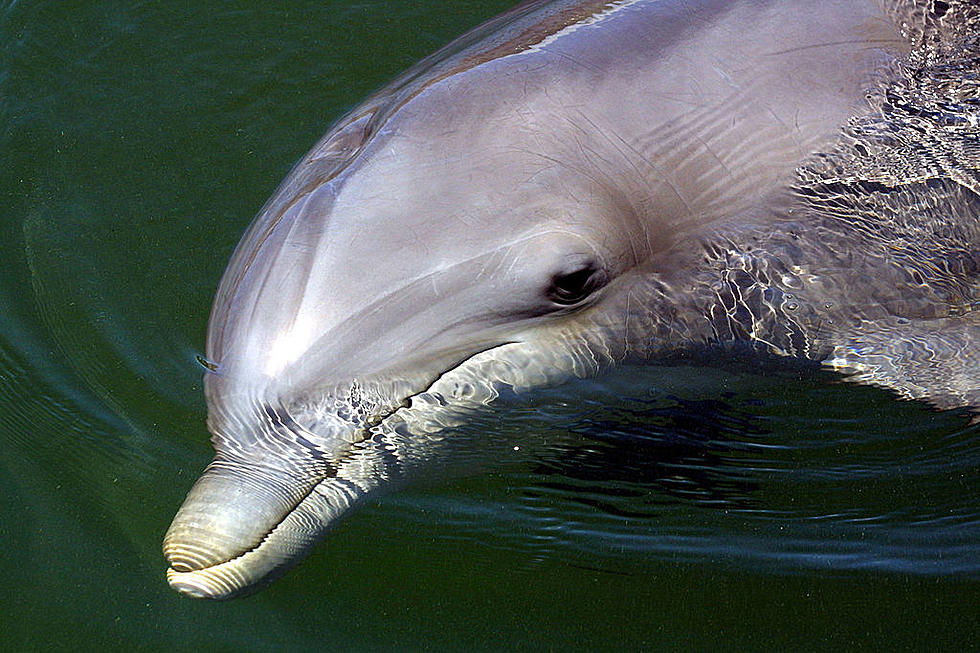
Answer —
576 184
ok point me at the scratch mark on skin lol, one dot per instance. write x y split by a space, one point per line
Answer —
626 323
793 132
869 43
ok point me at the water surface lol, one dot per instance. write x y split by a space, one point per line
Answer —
659 509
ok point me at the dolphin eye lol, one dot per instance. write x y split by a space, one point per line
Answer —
569 288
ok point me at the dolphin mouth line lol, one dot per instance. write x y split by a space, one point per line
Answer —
231 578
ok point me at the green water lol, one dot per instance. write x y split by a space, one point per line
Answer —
138 140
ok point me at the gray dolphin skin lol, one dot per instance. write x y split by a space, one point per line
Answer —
574 185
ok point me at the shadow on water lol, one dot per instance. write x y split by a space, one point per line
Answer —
779 474
677 449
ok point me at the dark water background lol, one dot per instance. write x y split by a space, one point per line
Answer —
656 510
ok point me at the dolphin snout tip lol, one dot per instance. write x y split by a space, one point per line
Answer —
212 584
195 571
183 556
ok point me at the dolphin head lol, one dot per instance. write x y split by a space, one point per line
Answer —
377 295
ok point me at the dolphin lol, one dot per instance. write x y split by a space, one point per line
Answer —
573 185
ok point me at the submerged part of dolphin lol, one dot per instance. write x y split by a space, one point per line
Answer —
576 184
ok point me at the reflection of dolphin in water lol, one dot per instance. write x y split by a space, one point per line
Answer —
572 185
